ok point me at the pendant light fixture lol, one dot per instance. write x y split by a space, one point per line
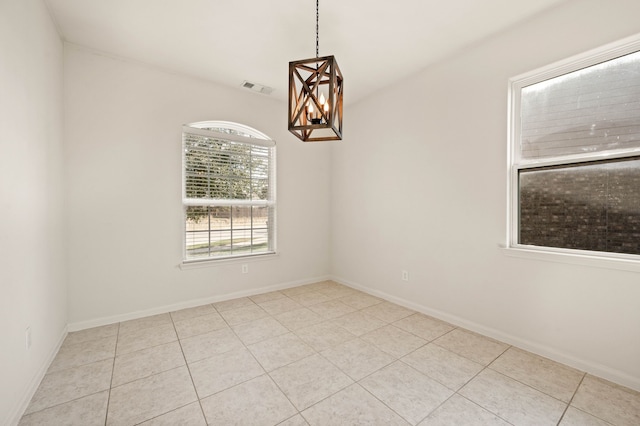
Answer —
315 96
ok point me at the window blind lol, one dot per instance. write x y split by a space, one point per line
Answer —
225 170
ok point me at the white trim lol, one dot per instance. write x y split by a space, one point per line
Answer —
514 163
213 202
578 158
624 262
97 322
269 143
582 60
273 196
257 138
590 367
230 125
14 416
513 129
219 261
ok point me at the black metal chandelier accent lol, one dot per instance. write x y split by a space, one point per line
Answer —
315 96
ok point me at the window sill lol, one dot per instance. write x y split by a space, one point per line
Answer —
623 263
209 263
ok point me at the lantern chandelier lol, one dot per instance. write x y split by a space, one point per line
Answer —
315 96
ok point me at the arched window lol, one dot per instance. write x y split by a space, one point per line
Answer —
228 191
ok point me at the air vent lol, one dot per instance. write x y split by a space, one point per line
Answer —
265 90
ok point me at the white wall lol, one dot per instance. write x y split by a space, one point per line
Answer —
425 192
123 124
420 184
32 242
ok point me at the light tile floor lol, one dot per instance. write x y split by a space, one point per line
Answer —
319 354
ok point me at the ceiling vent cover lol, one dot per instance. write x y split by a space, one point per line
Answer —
255 87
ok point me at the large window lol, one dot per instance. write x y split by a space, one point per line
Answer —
228 191
575 155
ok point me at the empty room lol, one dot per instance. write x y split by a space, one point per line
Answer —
320 212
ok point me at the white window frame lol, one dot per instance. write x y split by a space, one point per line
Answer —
515 164
245 135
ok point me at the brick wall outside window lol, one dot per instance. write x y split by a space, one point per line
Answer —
588 206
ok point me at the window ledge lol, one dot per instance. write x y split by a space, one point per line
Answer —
626 263
209 263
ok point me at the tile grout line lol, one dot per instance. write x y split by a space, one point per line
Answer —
483 408
82 364
113 369
395 359
70 368
266 373
454 392
323 321
535 388
315 351
488 366
65 402
299 412
378 399
186 363
457 392
439 405
357 382
571 399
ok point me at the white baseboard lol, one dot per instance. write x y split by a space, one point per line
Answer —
590 367
16 414
97 322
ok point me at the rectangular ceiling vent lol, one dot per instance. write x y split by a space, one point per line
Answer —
265 90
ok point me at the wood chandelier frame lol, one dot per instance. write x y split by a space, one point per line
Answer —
308 79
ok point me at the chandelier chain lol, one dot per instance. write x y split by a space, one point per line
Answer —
317 28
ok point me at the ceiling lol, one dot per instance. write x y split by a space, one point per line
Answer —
376 43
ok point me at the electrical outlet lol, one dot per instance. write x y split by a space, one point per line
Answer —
27 338
245 268
405 275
